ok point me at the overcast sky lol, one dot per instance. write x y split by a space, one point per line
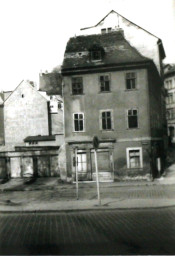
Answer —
34 32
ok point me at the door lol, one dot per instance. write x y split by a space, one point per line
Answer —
104 160
82 165
43 166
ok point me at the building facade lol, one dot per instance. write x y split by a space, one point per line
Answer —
115 93
169 83
32 139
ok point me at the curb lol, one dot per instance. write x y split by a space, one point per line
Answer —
85 210
157 183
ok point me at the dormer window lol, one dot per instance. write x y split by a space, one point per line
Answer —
95 55
96 52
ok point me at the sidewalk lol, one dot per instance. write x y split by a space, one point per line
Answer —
47 195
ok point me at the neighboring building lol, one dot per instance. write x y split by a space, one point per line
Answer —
32 139
51 82
169 83
113 91
145 42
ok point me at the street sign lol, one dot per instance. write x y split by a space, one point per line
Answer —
95 142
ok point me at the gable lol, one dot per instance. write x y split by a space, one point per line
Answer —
23 93
144 41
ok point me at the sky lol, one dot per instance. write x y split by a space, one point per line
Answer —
34 33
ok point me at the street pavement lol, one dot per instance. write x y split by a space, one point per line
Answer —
62 197
111 232
49 194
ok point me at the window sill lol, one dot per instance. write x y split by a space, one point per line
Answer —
77 94
78 131
107 130
130 90
104 92
137 128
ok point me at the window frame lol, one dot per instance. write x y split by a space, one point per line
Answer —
128 157
92 52
100 85
135 79
73 83
132 109
100 119
170 98
79 113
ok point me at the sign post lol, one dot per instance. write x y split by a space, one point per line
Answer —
96 145
76 172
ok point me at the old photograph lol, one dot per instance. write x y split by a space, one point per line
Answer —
87 127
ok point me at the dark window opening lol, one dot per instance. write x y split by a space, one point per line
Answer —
106 120
96 55
130 81
77 85
78 122
104 83
132 118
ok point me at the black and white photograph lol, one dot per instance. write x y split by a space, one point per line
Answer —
87 127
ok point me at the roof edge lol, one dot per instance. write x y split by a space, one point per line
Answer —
112 11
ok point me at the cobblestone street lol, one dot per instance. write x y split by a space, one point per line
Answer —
107 232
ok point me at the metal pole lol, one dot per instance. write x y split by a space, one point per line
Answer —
76 172
97 178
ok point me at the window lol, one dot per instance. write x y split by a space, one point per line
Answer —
77 85
96 55
132 118
104 83
78 122
170 114
134 158
169 98
130 81
169 84
106 120
104 30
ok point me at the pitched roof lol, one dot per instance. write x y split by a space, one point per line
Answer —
117 50
112 11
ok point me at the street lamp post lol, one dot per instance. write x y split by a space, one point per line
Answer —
96 145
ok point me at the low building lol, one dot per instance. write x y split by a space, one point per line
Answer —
32 138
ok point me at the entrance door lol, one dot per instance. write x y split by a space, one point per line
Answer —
104 165
82 165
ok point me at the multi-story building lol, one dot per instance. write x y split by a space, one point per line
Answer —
112 91
169 83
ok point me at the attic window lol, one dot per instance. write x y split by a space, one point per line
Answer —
96 52
106 30
95 55
103 30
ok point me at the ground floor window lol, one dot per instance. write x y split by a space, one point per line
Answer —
134 157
